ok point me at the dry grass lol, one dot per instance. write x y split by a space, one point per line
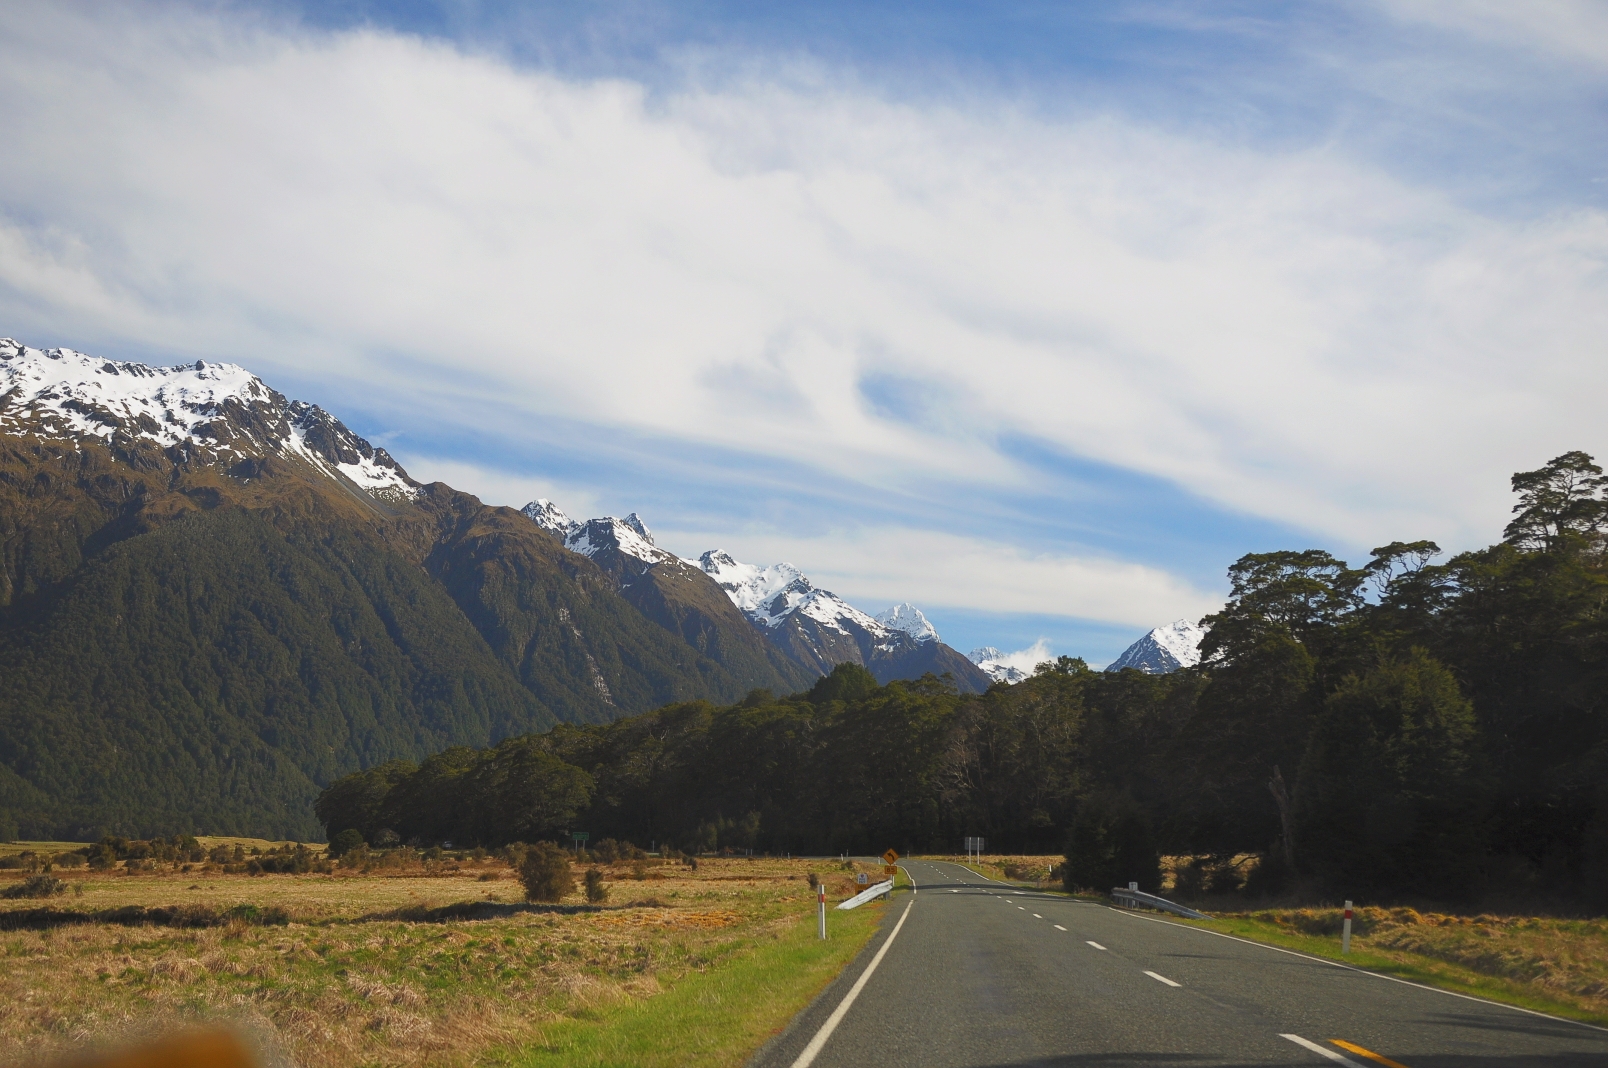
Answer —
357 978
1011 867
1562 961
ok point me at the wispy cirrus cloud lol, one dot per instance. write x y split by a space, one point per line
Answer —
879 291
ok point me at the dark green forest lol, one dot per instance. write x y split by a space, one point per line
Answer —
1410 727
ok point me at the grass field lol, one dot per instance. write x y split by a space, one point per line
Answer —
678 966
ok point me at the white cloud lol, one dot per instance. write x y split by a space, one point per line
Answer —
1295 335
937 570
499 487
1029 658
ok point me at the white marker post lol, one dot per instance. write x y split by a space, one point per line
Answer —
820 905
1345 931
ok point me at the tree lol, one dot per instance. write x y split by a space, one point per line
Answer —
546 873
1389 797
1110 843
345 842
1563 500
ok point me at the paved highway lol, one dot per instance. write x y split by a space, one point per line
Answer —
980 973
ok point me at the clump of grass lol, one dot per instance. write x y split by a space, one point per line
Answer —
35 886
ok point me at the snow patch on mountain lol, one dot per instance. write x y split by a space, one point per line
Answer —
549 516
908 618
1165 649
1010 668
219 407
769 595
630 535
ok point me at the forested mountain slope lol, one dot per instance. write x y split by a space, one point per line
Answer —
213 598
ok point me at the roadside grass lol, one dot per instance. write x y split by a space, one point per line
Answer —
719 1016
362 975
1556 966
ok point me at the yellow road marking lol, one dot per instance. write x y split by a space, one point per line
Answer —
1370 1054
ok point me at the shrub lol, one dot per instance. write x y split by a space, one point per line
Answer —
345 842
36 886
596 892
546 873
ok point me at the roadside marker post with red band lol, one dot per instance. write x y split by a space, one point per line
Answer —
820 905
1345 931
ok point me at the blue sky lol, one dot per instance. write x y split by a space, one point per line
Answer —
1035 315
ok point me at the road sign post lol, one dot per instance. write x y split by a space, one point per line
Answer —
579 836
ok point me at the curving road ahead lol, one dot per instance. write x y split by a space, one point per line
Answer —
981 973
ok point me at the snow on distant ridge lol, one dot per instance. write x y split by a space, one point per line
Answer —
769 595
78 396
1009 668
1165 649
908 618
630 535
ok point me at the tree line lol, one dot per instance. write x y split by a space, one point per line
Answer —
1411 726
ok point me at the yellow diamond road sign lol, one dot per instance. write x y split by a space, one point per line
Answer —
890 857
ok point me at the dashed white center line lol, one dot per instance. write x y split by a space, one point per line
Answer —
1162 979
1322 1051
1096 945
1036 916
1058 927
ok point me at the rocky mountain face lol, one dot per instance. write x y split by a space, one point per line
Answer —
1165 649
213 599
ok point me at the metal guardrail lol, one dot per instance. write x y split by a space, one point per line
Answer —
1138 899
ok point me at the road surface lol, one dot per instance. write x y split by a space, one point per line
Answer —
982 974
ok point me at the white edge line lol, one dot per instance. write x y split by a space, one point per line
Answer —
1322 1051
813 1050
1359 971
912 878
1162 979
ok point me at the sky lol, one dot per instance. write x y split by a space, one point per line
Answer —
1035 315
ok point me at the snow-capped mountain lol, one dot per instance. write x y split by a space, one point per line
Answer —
1168 648
990 661
819 629
201 412
908 618
771 595
629 536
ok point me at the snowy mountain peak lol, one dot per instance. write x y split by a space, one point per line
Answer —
769 595
992 663
549 516
210 411
1165 649
629 535
908 618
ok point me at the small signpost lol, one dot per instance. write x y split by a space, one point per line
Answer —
861 878
579 836
974 848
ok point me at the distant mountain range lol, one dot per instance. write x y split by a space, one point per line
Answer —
812 629
214 599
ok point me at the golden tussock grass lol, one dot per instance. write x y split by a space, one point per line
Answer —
346 982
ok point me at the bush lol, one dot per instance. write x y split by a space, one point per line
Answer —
546 873
596 892
345 842
36 886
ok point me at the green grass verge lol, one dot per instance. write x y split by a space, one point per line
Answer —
1412 967
715 1017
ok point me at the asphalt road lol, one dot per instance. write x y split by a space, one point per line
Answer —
983 974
